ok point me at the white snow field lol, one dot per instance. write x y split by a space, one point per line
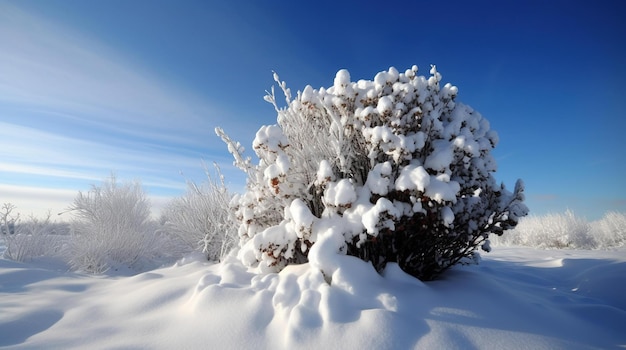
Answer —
517 298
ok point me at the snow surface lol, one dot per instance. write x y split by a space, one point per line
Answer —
517 298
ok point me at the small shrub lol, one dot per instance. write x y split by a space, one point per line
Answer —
567 230
390 170
200 219
610 231
30 238
554 231
111 228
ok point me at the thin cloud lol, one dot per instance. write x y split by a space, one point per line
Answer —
40 201
74 110
45 171
46 66
37 201
544 197
33 151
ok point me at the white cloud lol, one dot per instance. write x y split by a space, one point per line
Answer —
37 201
48 156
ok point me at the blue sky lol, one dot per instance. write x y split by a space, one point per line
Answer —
136 87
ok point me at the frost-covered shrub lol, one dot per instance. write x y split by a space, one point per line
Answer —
610 231
200 219
32 238
389 170
567 230
111 228
550 231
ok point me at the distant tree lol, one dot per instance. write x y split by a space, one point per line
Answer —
394 169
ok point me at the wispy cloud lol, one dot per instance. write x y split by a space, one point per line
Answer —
75 109
544 197
46 66
30 151
37 201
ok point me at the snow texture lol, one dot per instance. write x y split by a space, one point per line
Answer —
518 298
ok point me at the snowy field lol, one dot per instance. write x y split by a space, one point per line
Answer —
517 298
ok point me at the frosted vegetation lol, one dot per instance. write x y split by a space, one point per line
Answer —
389 170
111 227
36 238
25 239
200 220
567 231
112 230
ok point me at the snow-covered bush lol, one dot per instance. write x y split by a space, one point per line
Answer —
200 219
30 238
610 231
111 228
550 231
389 170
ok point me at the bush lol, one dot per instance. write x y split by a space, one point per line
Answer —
610 231
200 219
550 231
30 238
567 231
111 228
389 170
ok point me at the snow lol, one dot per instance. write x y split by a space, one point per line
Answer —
441 157
441 189
307 94
447 216
271 138
384 209
340 194
517 298
342 78
385 105
301 216
378 180
413 177
325 172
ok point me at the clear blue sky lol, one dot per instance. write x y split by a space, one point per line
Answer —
137 87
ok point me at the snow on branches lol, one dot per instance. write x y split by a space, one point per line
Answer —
389 170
